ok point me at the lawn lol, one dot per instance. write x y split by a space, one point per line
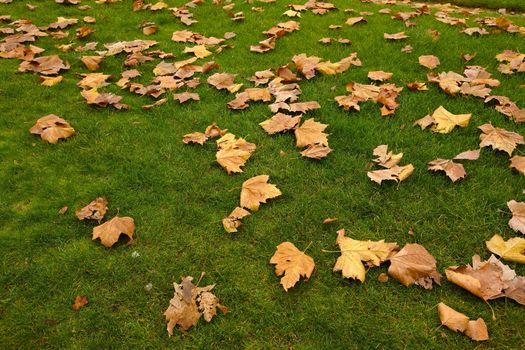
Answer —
177 193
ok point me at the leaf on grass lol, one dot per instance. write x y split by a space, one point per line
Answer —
396 173
214 131
456 321
518 163
50 81
292 263
45 65
453 170
224 81
395 36
233 221
512 249
257 190
233 153
316 151
195 137
94 210
92 62
156 103
517 222
384 158
311 132
93 80
445 121
51 128
80 302
499 139
189 303
354 253
414 264
280 122
379 75
199 51
110 231
429 61
354 20
488 280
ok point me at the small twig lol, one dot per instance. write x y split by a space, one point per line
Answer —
308 246
200 279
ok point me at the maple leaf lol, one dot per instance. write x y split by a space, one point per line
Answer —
311 132
429 61
395 36
233 153
316 151
453 170
92 62
80 302
517 222
414 264
51 128
354 253
94 210
354 20
417 86
195 137
199 51
396 173
110 231
186 96
280 122
499 138
93 80
214 131
384 158
512 249
155 104
456 321
257 190
488 280
224 81
445 121
518 163
50 81
233 221
292 263
189 303
379 75
46 65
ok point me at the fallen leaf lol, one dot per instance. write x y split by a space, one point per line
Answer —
80 302
50 81
199 51
186 96
214 131
94 210
379 75
233 153
512 249
518 163
311 132
456 321
292 263
110 231
499 139
329 220
195 137
396 173
354 20
233 221
92 62
316 151
280 122
455 171
429 61
517 222
445 121
383 277
395 36
51 128
384 158
414 264
354 253
63 210
257 190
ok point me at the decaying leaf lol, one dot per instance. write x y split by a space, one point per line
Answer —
189 302
517 222
311 132
50 81
94 210
518 163
233 221
110 231
257 190
456 321
512 249
195 137
395 36
80 302
488 280
499 138
293 263
354 253
414 264
453 170
186 96
214 131
389 160
316 151
233 153
379 75
429 61
445 121
384 158
51 128
280 122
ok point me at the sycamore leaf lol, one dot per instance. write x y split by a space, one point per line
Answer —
379 75
414 264
429 61
50 81
518 163
233 221
51 128
92 62
233 153
517 222
453 170
384 158
499 139
189 302
512 250
195 137
316 151
214 131
293 263
280 122
199 51
257 190
94 210
311 132
488 280
456 321
425 122
186 96
468 155
396 173
354 253
110 231
445 121
93 80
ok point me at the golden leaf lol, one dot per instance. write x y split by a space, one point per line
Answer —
293 263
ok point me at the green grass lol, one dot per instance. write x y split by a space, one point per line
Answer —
177 195
491 4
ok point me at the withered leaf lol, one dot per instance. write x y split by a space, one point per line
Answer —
518 163
233 221
80 302
92 62
257 190
499 139
233 153
280 122
517 222
292 263
456 321
51 128
311 132
396 173
429 61
46 65
414 264
50 81
94 210
316 151
379 75
110 231
395 36
186 96
512 249
453 170
195 137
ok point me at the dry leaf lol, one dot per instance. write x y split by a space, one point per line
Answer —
499 139
233 153
384 158
94 210
329 220
311 132
92 62
51 128
383 277
453 170
80 302
195 137
468 155
354 20
518 163
456 321
110 231
155 104
354 253
189 302
233 221
316 151
445 121
214 131
396 173
50 81
512 249
429 61
186 96
257 190
379 75
414 264
395 36
517 222
293 263
280 122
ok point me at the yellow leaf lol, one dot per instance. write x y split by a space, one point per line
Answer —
446 121
293 263
512 250
256 191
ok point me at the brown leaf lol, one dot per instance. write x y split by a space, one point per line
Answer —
51 128
92 62
233 221
257 190
455 171
329 220
195 137
214 131
46 65
414 264
233 153
379 75
292 263
311 132
384 158
50 81
354 20
383 277
155 104
186 96
396 173
110 231
395 36
93 80
280 122
517 222
80 302
456 321
499 139
518 163
316 151
468 155
94 210
63 210
425 122
429 61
